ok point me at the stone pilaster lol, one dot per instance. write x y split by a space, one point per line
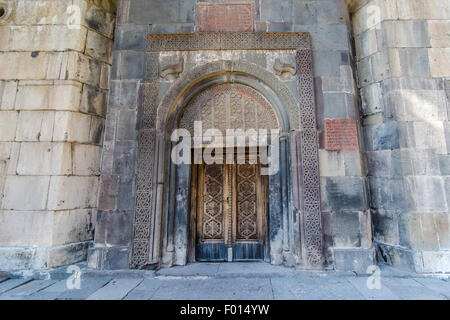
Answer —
402 57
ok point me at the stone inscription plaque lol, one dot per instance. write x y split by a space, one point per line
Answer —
237 17
341 134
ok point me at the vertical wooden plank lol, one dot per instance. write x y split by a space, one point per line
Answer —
234 201
265 183
200 186
259 203
228 209
193 214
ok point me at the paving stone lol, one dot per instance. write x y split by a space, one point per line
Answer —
60 290
88 286
29 288
438 285
195 269
49 293
384 293
254 269
212 289
116 289
408 289
11 284
145 290
318 288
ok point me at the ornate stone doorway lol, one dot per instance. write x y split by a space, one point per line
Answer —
228 80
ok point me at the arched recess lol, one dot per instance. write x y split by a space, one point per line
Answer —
226 71
161 211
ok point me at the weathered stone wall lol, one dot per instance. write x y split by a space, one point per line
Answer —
403 56
53 95
346 217
54 84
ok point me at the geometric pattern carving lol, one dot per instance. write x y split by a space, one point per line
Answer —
312 226
213 215
143 212
228 41
246 202
229 106
149 104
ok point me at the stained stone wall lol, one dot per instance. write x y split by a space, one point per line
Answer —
380 72
346 219
54 84
403 54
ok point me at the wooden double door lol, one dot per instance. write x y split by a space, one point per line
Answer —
231 212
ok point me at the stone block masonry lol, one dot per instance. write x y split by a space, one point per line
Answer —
66 93
402 55
342 171
56 57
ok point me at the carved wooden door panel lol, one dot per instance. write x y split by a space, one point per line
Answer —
231 213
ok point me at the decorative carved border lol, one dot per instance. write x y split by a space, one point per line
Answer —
228 41
312 218
144 213
145 193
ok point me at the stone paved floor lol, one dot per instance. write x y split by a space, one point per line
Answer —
224 281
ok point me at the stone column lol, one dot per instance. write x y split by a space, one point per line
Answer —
54 79
403 51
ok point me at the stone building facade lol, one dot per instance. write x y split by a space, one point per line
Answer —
91 90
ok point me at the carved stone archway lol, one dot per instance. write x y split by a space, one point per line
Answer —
295 203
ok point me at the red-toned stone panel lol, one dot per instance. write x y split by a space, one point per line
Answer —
341 134
225 17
